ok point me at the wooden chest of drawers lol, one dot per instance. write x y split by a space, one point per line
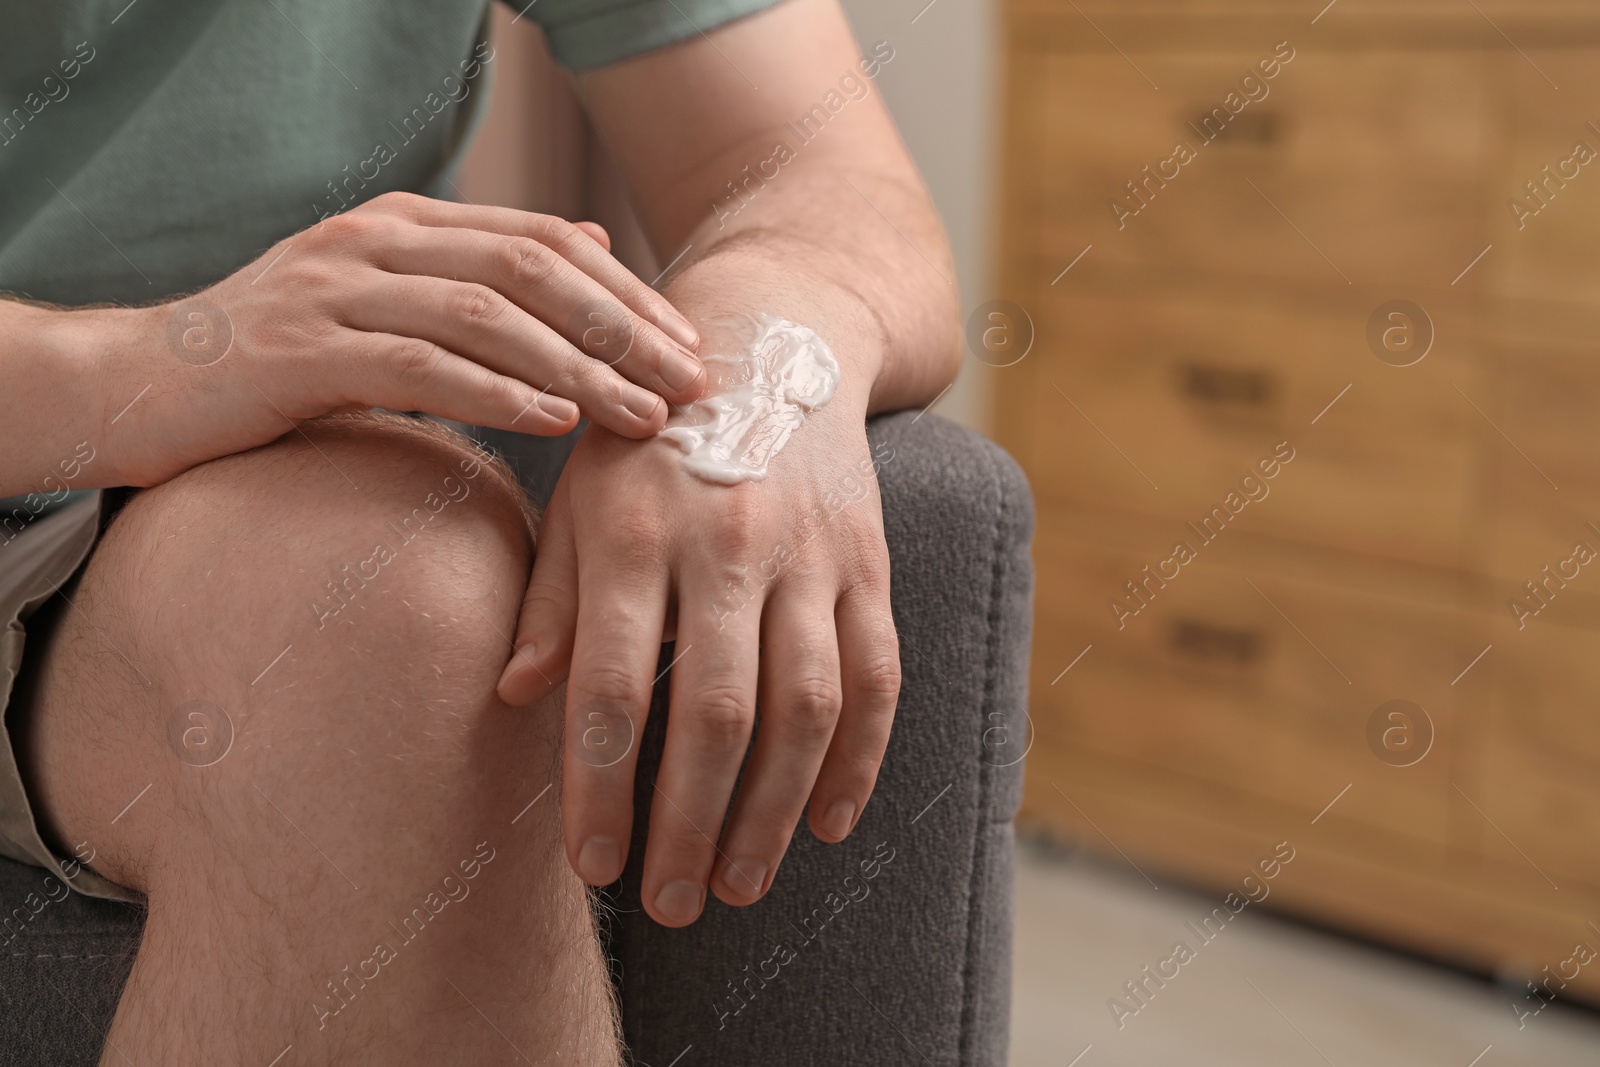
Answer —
1388 651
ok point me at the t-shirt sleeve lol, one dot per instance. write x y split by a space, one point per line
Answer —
591 33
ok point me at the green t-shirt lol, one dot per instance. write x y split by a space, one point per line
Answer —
150 148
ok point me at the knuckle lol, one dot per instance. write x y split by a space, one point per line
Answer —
724 715
307 286
477 305
602 387
415 360
607 683
649 544
359 227
607 381
396 200
341 229
741 520
553 230
868 577
878 674
812 707
638 541
598 384
569 241
526 264
865 556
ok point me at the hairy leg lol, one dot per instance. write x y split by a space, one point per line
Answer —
271 709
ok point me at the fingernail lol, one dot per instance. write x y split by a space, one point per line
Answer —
677 327
679 372
746 877
522 664
839 820
680 901
599 861
506 675
641 403
557 408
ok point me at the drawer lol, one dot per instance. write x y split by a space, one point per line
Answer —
1178 400
1544 821
1544 249
1210 683
1538 778
1366 165
1547 684
1545 400
1534 770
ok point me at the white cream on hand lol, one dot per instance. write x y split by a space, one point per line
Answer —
761 388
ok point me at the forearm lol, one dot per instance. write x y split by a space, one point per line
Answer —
832 217
51 409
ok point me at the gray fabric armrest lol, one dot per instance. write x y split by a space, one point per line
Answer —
63 962
899 939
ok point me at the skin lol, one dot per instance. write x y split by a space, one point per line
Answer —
473 314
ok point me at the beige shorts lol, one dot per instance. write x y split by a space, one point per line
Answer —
38 571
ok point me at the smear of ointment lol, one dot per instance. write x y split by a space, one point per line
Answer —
762 387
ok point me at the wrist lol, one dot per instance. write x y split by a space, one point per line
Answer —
98 351
774 274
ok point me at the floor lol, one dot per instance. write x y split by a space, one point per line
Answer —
1265 992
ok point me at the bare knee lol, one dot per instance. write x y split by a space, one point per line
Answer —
282 619
358 531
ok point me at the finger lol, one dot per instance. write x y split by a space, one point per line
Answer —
543 642
708 732
618 640
407 374
800 702
485 327
566 239
869 654
597 231
545 285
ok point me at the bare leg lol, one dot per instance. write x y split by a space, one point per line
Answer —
360 876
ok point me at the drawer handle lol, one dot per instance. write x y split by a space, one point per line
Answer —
1214 644
1252 127
1226 385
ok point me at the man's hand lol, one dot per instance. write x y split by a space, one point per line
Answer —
778 588
490 316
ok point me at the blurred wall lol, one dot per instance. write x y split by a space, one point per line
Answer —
942 87
534 151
